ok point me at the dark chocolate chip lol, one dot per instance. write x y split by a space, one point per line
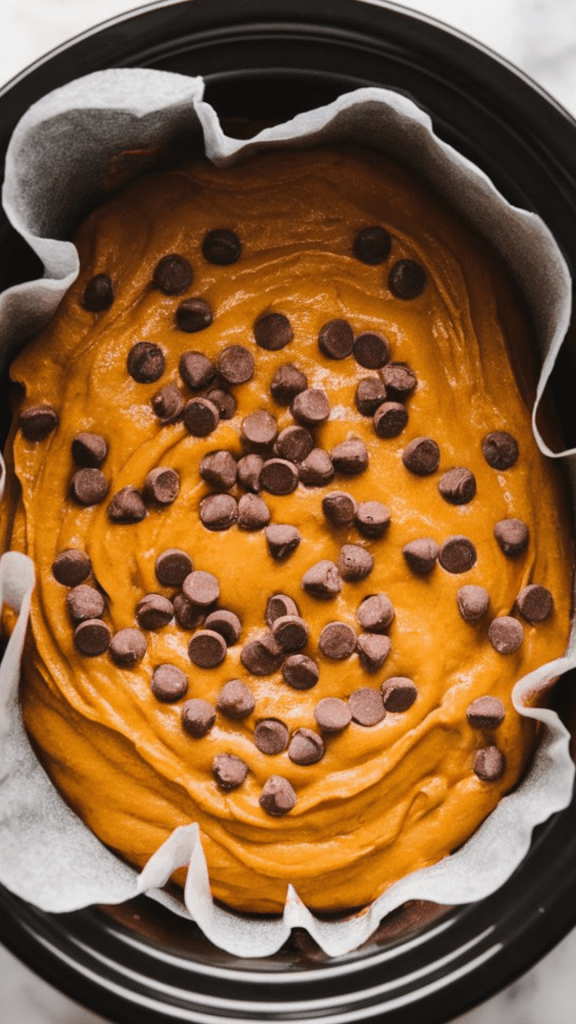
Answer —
236 700
89 486
421 456
277 797
535 603
92 637
154 611
350 457
172 274
229 771
278 606
89 450
193 315
271 736
200 417
188 615
85 602
375 613
218 511
505 634
259 428
226 623
253 512
457 486
335 339
407 279
316 470
218 470
207 649
172 567
421 555
485 713
263 655
249 468
370 393
291 632
371 350
235 364
201 588
221 247
224 402
196 370
169 683
339 508
398 693
399 381
127 505
457 554
322 580
300 672
278 476
512 536
282 541
145 362
71 567
273 331
390 419
311 407
332 714
372 649
366 706
161 486
372 518
489 764
168 403
354 562
98 294
500 449
337 641
306 747
372 245
38 421
128 646
287 382
198 716
294 444
473 602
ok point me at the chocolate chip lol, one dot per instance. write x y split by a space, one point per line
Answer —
221 247
322 580
500 449
372 518
399 381
224 402
390 419
172 274
200 417
226 623
218 469
291 632
421 555
485 713
235 364
89 450
316 470
273 331
278 606
473 602
218 511
489 764
282 541
371 350
154 611
201 588
188 615
271 736
512 536
354 562
335 339
169 683
457 486
372 245
38 421
339 508
172 567
253 512
294 444
262 656
98 294
145 362
277 797
207 649
249 469
337 641
229 771
198 716
128 646
372 649
457 554
92 637
535 603
71 567
375 613
398 693
89 486
407 279
236 700
350 457
505 634
127 505
421 456
366 706
193 315
161 486
370 393
196 370
85 602
259 428
306 747
287 382
300 672
278 476
168 403
311 407
332 714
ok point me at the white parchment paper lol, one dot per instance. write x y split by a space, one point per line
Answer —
58 164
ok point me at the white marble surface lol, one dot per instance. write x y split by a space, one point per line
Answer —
539 36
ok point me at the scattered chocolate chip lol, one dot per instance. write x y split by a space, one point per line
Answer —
271 736
278 606
207 649
322 580
226 623
235 364
200 417
372 518
311 407
201 588
145 362
218 511
273 331
366 706
500 449
92 637
457 554
332 714
512 536
278 476
335 339
372 649
489 764
350 457
306 747
316 470
375 613
407 279
300 672
398 693
372 245
161 486
236 700
421 555
218 469
390 419
505 634
172 274
169 683
339 508
282 541
128 646
89 486
98 294
188 615
291 632
535 603
229 771
337 641
89 450
249 469
85 602
221 247
71 567
253 512
473 602
198 716
263 655
354 562
277 797
224 402
421 456
371 350
370 394
193 315
399 381
196 370
485 713
294 444
38 421
287 382
154 611
168 403
457 486
127 505
259 428
172 567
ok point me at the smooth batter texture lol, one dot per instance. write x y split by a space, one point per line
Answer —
385 799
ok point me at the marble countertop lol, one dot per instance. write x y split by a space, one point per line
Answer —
539 36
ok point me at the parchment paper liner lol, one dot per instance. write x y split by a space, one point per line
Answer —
57 163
